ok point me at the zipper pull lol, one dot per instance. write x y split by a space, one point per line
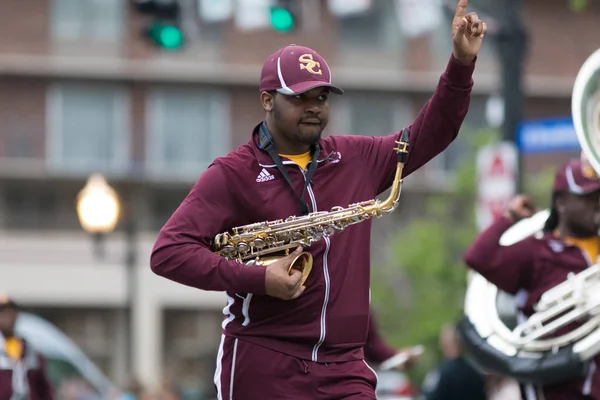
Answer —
305 366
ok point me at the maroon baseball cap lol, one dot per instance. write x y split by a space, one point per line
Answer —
576 177
294 70
6 301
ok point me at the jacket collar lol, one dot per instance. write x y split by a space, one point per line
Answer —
327 152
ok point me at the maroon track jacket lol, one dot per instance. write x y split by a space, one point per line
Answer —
531 267
329 321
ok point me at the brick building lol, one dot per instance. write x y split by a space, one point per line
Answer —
82 91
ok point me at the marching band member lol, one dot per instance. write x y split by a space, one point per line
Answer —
569 243
282 339
378 351
22 369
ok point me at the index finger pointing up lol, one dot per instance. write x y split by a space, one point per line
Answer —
461 8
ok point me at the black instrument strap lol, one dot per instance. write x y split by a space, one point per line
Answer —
265 142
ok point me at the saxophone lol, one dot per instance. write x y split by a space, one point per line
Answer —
264 243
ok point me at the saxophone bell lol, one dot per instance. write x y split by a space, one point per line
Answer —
303 263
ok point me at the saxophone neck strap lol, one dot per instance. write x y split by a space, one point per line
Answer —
265 142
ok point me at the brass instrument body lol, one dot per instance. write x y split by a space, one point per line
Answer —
561 338
263 243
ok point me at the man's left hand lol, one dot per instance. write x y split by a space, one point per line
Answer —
467 34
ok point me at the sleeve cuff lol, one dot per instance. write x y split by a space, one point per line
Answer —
388 354
499 226
460 74
252 280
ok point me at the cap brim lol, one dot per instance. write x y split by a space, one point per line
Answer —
303 87
590 187
9 304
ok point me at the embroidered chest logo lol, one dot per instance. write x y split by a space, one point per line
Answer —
335 157
556 246
264 176
308 63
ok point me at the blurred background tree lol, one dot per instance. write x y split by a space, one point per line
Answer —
578 5
424 272
539 187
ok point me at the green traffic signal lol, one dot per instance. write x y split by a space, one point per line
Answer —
282 19
169 37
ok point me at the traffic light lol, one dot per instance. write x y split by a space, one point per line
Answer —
164 35
283 16
164 30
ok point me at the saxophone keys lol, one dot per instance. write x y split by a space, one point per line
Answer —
229 251
258 244
284 236
339 227
297 236
270 240
330 230
218 241
242 248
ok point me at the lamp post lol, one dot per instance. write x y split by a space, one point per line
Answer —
99 210
512 42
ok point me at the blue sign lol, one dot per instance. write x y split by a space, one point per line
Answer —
547 135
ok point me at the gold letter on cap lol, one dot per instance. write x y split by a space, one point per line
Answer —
307 63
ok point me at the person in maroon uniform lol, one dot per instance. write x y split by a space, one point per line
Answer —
282 339
569 243
377 351
22 369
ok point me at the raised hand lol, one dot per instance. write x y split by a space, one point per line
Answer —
521 206
467 33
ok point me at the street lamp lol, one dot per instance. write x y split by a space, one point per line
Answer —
98 206
99 210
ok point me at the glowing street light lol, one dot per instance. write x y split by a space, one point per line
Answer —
98 206
99 209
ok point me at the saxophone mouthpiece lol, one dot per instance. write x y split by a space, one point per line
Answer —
402 148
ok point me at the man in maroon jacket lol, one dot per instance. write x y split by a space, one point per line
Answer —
276 343
569 243
22 369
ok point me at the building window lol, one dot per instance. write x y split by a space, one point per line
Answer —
39 206
88 128
28 208
187 128
374 114
375 32
87 20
